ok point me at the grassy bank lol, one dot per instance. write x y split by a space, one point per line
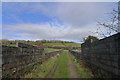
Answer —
62 68
81 71
41 70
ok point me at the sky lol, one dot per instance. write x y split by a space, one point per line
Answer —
70 21
60 0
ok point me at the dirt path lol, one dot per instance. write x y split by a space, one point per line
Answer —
72 69
51 73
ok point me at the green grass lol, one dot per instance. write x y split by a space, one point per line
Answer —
72 44
62 68
42 70
81 71
51 49
62 44
12 45
53 44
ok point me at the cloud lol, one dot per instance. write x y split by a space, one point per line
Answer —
75 13
45 31
40 31
80 14
77 19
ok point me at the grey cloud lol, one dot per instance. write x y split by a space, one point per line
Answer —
76 14
78 19
79 14
45 31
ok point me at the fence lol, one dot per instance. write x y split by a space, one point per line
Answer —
16 60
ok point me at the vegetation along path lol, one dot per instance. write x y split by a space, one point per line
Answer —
67 67
72 69
62 66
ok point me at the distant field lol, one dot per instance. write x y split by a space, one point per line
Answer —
53 44
13 45
62 44
51 49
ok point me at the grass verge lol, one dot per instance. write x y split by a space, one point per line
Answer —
41 70
62 68
81 71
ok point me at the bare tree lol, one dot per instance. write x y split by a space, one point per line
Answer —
111 26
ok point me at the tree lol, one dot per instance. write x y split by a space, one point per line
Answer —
5 41
90 39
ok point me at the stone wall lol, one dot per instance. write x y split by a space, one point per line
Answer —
23 57
102 57
76 53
